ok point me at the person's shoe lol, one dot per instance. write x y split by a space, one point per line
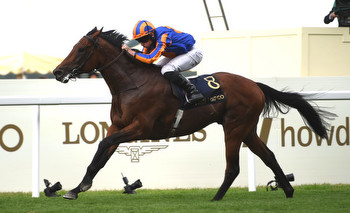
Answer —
193 95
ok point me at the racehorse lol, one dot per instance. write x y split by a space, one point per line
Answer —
144 107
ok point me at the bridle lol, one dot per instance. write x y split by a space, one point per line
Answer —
75 71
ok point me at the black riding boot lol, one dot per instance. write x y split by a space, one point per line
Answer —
193 95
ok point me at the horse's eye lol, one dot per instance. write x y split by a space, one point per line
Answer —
82 49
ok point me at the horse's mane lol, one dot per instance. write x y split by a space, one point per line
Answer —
112 36
117 39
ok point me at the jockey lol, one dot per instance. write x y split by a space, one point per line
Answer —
178 49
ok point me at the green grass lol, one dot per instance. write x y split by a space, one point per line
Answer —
307 198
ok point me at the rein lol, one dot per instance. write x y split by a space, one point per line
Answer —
75 71
73 74
111 62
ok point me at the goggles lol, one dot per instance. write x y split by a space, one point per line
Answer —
144 39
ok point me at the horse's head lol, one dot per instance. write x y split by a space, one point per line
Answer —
83 58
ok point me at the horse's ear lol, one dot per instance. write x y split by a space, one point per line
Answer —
98 32
92 31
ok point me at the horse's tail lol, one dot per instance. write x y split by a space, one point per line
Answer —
282 101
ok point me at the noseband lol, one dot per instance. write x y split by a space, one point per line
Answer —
73 74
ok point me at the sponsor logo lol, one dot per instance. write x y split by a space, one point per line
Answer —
136 149
18 132
12 137
135 152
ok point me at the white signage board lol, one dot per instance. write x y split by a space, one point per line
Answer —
69 137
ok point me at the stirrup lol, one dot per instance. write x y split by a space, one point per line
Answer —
194 98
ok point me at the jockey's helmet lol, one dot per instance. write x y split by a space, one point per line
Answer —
142 28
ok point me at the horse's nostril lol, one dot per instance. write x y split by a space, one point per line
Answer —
58 73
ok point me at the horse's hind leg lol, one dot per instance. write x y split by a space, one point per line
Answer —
232 146
256 145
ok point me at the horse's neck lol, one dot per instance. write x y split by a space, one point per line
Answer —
126 75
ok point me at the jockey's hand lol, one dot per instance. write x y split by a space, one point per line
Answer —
125 47
333 15
128 49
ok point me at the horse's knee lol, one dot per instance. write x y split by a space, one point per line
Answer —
104 144
100 157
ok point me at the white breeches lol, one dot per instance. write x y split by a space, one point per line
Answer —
181 62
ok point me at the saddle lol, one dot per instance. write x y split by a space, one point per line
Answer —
210 88
208 85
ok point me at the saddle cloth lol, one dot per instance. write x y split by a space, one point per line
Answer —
208 85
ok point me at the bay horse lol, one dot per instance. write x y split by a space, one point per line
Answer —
144 107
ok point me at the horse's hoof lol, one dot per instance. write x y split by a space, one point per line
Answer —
289 193
215 199
70 195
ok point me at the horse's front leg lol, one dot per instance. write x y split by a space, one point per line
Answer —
100 159
105 150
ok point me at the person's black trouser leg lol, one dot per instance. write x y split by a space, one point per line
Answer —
193 95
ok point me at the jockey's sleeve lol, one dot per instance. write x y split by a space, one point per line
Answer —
155 53
145 51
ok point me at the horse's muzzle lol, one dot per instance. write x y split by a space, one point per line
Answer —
60 76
